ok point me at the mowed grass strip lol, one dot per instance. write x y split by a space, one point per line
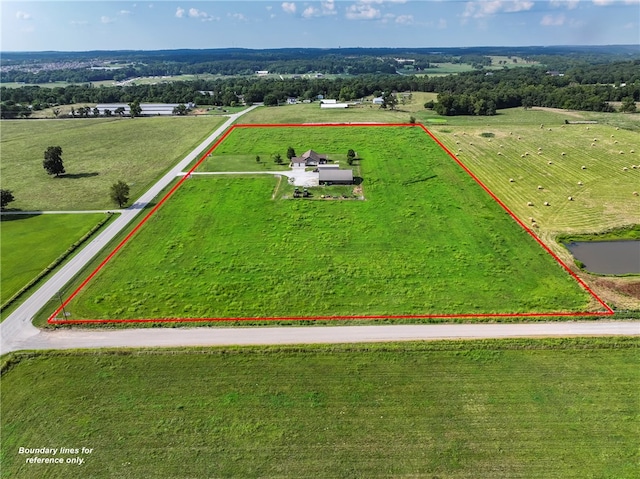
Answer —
587 173
96 154
490 409
427 240
31 243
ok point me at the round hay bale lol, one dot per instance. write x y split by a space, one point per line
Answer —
539 153
617 128
624 168
615 142
500 153
588 128
593 144
521 156
511 180
501 146
529 203
535 225
595 139
635 193
611 136
579 183
519 138
632 151
532 219
621 152
539 148
550 128
470 143
546 203
539 187
457 142
550 162
570 198
563 153
583 167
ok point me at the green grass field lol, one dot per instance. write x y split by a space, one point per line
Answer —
221 247
96 154
30 244
523 145
493 409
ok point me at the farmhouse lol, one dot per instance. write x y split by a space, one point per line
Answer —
308 158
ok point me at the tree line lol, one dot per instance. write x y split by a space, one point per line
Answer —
472 93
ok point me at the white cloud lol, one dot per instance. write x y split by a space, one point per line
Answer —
202 15
104 19
568 4
602 3
79 22
492 7
124 12
326 9
180 12
289 7
238 16
20 15
362 11
552 21
404 19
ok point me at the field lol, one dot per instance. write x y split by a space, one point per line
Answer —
493 409
597 165
31 243
221 247
96 154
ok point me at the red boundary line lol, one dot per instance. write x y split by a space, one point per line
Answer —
52 319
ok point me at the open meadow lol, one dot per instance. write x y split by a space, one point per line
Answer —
96 154
426 240
31 243
492 409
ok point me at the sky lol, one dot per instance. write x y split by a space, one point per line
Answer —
84 25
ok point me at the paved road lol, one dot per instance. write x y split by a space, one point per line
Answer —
166 337
17 327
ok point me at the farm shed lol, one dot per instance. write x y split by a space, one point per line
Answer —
336 176
148 109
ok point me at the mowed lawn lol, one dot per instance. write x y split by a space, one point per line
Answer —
427 240
29 244
596 165
493 409
96 154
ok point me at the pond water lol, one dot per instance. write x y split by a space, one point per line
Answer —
608 257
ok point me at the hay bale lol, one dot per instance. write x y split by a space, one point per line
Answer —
550 162
550 128
531 219
632 151
563 153
635 193
470 143
617 128
529 203
621 152
539 153
521 156
615 142
457 142
539 187
593 144
624 168
579 183
511 180
546 203
500 153
583 167
570 198
539 148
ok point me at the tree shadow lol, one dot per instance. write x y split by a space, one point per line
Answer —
357 180
14 217
74 176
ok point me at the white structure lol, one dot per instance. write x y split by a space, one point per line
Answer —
378 101
334 105
329 101
148 109
262 73
291 101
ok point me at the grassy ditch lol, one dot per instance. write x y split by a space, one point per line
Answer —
512 408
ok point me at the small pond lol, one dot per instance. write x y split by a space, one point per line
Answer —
608 257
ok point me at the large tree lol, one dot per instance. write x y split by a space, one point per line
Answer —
291 153
120 193
135 108
52 162
6 197
389 100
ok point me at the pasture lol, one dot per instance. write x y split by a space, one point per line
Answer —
427 240
492 409
96 154
31 243
544 160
